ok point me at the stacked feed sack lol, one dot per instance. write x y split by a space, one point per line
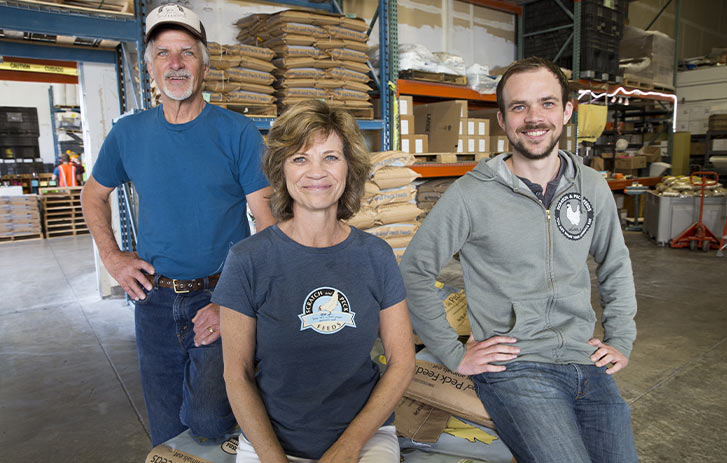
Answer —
429 192
240 74
388 209
317 55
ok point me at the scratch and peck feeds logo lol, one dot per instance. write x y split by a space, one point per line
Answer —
326 311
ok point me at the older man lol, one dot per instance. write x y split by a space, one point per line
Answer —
195 168
525 224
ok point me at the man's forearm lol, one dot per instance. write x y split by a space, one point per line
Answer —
97 213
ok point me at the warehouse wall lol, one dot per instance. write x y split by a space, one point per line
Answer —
219 16
32 95
478 34
703 24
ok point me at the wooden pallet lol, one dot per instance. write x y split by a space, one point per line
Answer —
115 8
640 84
62 212
66 232
433 77
645 84
253 110
449 158
659 87
21 237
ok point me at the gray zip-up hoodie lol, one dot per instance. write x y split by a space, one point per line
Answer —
524 266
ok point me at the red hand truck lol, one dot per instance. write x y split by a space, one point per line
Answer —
698 235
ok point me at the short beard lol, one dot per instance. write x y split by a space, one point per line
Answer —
186 94
520 146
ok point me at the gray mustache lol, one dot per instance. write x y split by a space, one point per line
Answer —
177 74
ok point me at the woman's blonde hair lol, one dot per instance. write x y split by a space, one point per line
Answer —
293 132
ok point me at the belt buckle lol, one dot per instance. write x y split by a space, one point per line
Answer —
178 290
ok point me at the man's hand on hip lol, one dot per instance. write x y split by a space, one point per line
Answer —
606 354
479 355
207 325
126 268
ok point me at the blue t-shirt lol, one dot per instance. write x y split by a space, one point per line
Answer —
315 372
191 180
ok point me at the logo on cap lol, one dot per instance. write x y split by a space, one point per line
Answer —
173 14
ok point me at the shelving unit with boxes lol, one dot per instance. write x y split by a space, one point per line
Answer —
62 214
19 148
19 218
65 120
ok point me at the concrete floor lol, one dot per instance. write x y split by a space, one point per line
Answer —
70 389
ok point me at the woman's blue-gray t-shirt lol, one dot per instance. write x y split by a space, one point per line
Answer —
313 349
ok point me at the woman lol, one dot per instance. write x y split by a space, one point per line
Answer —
303 302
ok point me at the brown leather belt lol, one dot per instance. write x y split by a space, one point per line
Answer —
185 286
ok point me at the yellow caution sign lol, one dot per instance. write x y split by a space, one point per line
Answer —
28 67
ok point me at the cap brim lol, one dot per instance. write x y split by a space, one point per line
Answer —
177 25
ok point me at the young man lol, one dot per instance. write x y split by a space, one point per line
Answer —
524 224
194 167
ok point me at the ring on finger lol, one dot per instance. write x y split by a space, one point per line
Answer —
211 330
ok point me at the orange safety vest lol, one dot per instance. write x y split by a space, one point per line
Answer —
67 175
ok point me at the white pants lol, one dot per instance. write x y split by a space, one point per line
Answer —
383 447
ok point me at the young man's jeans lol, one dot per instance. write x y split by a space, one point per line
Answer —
558 413
183 384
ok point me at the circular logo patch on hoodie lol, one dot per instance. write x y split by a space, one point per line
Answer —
573 216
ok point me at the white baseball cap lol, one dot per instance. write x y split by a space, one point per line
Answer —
172 14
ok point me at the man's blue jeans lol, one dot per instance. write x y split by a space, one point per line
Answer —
183 384
558 413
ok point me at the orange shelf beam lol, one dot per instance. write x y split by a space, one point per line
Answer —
437 169
456 92
458 169
501 5
621 184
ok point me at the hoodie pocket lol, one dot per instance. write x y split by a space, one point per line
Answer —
527 320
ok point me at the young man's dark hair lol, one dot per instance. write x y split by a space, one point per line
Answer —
532 63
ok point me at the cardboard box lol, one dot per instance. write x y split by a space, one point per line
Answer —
491 115
473 127
630 162
406 123
462 107
652 153
482 127
499 144
440 121
415 144
569 131
467 144
406 106
719 145
597 163
698 148
482 145
435 385
567 144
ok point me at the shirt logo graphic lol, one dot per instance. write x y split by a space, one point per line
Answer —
326 311
573 216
